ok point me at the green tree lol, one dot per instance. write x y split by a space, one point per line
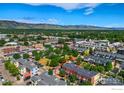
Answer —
12 68
62 60
2 42
93 68
54 62
34 52
85 83
18 78
7 83
50 72
7 64
55 59
57 51
108 66
90 50
16 56
72 78
26 43
66 48
62 72
25 56
87 66
61 41
75 53
121 73
100 69
37 57
79 60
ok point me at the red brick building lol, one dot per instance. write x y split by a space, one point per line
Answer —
10 49
81 73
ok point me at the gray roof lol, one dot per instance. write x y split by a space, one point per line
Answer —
80 71
114 55
25 63
121 49
80 49
122 65
97 59
111 81
45 79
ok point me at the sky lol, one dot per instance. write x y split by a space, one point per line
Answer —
96 14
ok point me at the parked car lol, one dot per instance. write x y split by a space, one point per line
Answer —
28 83
1 78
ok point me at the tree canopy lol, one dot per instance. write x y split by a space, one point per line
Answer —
16 56
25 56
12 68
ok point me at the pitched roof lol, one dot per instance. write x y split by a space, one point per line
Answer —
80 71
114 55
45 79
97 59
25 63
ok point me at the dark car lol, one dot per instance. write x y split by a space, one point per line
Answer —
28 83
1 78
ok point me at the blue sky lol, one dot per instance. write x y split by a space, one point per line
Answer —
109 15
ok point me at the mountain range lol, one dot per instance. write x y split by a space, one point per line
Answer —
5 24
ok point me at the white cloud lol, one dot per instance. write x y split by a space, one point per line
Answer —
90 8
69 6
65 6
88 11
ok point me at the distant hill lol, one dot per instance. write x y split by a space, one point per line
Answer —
5 24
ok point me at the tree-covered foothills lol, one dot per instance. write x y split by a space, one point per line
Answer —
112 35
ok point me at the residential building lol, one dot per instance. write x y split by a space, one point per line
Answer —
115 56
110 81
45 79
120 51
38 46
2 36
10 49
81 73
100 45
27 68
97 59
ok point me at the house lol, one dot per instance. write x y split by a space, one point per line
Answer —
95 59
3 36
81 73
121 66
113 56
110 81
10 49
45 79
38 46
96 44
27 68
11 44
80 49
